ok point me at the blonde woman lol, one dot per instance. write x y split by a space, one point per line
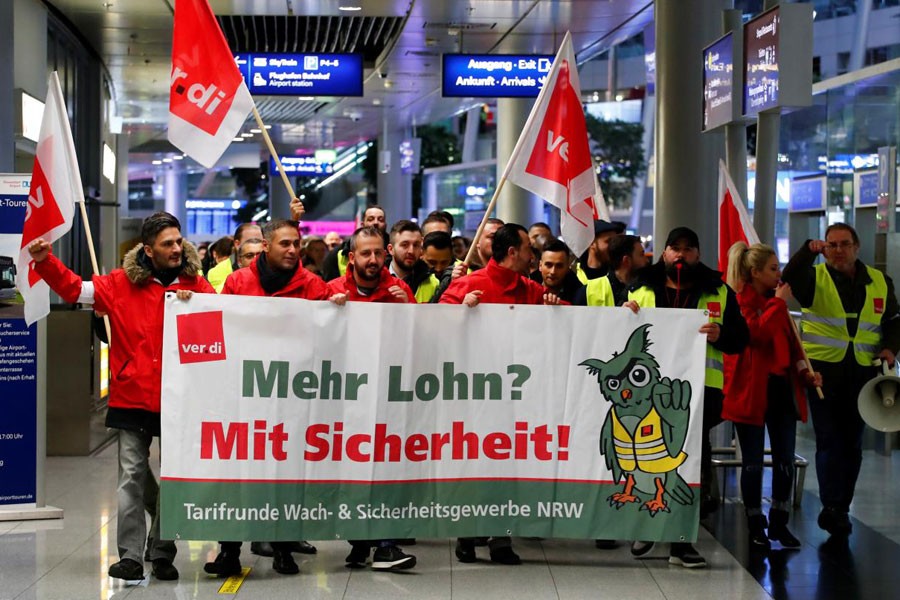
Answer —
763 389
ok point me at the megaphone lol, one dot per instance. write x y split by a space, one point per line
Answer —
878 401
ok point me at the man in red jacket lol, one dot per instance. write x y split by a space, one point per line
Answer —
504 280
133 297
275 272
368 280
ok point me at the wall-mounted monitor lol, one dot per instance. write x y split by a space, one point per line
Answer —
494 75
777 64
720 86
302 74
309 166
808 194
865 188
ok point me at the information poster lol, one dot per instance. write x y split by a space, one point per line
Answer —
18 364
761 62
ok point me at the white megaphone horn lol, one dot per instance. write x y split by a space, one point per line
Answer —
877 401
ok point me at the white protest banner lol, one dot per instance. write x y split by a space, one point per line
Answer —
285 419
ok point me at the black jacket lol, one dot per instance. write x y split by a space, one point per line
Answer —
570 285
734 335
330 268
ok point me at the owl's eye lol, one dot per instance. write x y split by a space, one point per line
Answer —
613 383
639 376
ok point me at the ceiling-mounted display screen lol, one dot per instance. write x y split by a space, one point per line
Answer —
808 194
301 165
718 79
302 74
494 75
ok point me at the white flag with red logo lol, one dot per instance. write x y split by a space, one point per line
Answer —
552 158
55 188
735 224
208 99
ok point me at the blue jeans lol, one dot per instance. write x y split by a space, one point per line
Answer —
781 421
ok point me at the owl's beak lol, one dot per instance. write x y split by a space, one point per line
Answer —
626 394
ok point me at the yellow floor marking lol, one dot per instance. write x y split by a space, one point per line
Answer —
233 583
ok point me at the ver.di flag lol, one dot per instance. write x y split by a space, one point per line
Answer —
55 188
208 100
735 224
552 157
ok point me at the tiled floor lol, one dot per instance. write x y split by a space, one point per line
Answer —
68 559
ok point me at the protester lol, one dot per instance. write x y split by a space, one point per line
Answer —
850 318
538 229
248 252
483 249
594 262
460 246
405 250
438 255
680 280
764 389
220 272
626 259
555 272
502 281
368 280
133 298
335 264
438 220
332 239
221 249
314 251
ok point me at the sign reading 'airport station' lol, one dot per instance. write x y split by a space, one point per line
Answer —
494 75
302 74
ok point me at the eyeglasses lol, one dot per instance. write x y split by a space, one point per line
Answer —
845 245
250 255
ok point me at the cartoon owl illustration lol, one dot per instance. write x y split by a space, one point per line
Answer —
644 432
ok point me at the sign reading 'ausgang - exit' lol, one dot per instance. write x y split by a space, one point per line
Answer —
494 75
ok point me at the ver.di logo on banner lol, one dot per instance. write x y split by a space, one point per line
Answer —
200 337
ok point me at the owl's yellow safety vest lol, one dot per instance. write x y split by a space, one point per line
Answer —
600 292
647 451
824 325
715 304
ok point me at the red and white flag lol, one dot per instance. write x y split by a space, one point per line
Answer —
55 188
208 99
735 224
552 158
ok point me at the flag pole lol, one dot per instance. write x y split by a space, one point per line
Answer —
515 154
90 241
265 133
805 356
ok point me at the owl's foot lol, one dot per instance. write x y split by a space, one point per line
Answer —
654 506
620 499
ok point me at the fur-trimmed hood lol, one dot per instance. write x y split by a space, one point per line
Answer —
137 273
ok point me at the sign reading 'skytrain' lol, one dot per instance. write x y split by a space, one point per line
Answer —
287 419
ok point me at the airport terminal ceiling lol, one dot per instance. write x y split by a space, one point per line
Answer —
401 42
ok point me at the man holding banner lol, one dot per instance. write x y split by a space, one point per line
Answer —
132 297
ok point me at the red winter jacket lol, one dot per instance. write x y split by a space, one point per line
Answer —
499 284
773 348
134 302
347 285
305 285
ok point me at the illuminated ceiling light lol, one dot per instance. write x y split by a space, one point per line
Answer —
167 160
247 135
350 8
156 162
306 98
178 157
376 101
238 139
256 131
268 127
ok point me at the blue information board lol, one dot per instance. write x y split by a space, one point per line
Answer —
494 75
718 77
302 74
866 188
301 165
808 194
18 358
761 47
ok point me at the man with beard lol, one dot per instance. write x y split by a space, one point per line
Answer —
275 272
627 258
335 264
368 280
220 272
554 270
133 297
503 281
680 280
594 262
406 260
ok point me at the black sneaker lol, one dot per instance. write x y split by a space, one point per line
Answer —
685 555
164 570
302 547
127 569
605 544
225 565
835 522
639 548
359 555
391 557
284 563
261 549
465 551
505 556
